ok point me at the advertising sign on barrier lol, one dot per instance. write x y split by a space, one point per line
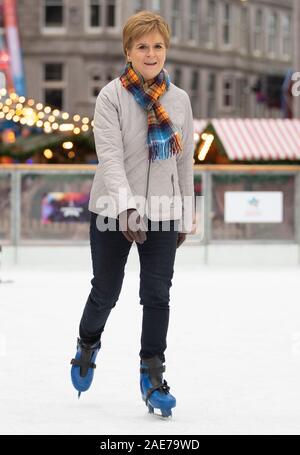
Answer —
65 207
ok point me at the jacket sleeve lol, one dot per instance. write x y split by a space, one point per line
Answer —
185 169
110 153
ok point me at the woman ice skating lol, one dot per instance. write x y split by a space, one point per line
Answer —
143 192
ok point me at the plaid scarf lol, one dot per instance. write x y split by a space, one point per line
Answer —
163 139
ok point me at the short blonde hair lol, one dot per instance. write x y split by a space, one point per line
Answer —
142 23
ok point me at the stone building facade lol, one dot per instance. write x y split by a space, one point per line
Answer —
219 50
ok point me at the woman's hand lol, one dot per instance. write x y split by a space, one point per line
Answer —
181 238
132 226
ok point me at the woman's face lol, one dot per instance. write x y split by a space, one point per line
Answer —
147 50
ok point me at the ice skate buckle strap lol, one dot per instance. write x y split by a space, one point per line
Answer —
83 363
162 387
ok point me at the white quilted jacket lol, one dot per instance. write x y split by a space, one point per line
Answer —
125 177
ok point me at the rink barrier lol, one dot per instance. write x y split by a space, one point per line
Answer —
23 189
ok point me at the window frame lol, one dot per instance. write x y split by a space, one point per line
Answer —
214 92
60 85
195 93
176 17
227 76
211 26
55 30
224 45
110 29
178 70
91 70
136 8
272 53
284 36
243 41
193 41
258 51
156 10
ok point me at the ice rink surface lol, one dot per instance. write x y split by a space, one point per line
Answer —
232 362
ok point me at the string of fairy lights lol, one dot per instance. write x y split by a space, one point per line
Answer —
28 112
34 114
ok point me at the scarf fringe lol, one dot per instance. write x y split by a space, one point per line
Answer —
165 150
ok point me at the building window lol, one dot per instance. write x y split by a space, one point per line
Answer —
211 22
97 80
156 6
111 13
241 96
272 33
195 81
228 92
53 84
53 13
286 35
54 98
177 77
258 32
211 95
194 90
95 13
102 13
53 72
138 5
227 23
176 19
193 20
244 30
96 84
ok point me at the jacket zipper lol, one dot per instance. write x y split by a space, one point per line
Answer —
148 178
172 180
147 187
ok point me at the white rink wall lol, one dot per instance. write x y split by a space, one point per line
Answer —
78 257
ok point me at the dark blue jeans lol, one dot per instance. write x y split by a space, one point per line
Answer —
110 251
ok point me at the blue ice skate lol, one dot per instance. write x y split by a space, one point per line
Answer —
155 390
82 371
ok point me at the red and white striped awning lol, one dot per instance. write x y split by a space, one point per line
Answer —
259 139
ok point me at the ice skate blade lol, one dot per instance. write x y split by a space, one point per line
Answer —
79 393
165 414
161 416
